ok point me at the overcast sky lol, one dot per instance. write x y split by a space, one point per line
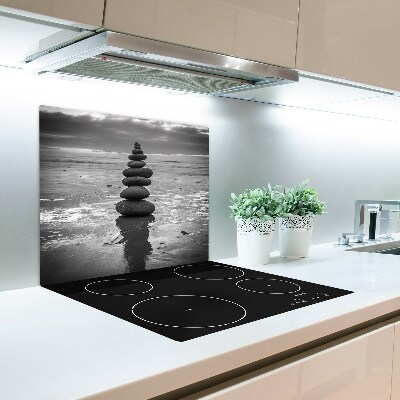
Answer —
60 127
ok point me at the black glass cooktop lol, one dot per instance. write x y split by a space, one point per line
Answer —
193 300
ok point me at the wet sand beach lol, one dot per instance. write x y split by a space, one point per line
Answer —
83 236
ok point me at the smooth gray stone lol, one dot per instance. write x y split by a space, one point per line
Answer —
144 172
131 208
136 164
135 192
136 181
137 151
137 157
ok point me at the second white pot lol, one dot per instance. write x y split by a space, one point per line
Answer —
254 241
295 236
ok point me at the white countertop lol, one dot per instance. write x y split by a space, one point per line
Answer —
52 347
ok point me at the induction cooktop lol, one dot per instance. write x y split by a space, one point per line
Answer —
188 301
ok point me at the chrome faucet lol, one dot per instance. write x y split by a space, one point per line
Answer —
359 212
359 208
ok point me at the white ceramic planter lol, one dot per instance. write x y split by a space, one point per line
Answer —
254 241
295 236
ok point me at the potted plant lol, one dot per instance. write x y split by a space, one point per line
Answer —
255 212
299 204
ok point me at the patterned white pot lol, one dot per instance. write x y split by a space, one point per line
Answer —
254 240
295 236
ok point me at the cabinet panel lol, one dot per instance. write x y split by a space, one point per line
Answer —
87 12
261 30
358 369
351 39
396 364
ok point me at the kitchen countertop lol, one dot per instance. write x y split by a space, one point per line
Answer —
52 347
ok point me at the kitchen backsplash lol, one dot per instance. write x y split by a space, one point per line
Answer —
346 158
119 194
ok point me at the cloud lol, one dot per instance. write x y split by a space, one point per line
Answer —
71 128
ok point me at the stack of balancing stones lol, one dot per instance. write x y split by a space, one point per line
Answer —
136 177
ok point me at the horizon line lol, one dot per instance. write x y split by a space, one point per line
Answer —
116 152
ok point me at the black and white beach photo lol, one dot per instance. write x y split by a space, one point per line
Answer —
119 194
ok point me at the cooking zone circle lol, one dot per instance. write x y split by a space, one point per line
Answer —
214 274
188 311
268 286
118 287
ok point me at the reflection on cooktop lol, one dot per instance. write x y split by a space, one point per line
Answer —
188 301
197 271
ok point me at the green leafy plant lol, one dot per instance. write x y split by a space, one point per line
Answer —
301 200
264 204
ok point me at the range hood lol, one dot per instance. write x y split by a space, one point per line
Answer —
130 59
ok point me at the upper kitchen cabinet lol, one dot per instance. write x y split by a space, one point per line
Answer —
260 30
357 40
84 13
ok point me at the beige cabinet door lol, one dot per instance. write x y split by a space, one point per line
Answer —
88 13
356 40
396 364
260 30
357 369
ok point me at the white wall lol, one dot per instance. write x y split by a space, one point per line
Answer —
345 157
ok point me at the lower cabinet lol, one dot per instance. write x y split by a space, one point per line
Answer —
396 364
356 369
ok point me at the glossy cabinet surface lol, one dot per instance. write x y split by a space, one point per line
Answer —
357 40
260 30
86 12
396 364
357 369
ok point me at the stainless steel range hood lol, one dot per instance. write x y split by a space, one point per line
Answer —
130 59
